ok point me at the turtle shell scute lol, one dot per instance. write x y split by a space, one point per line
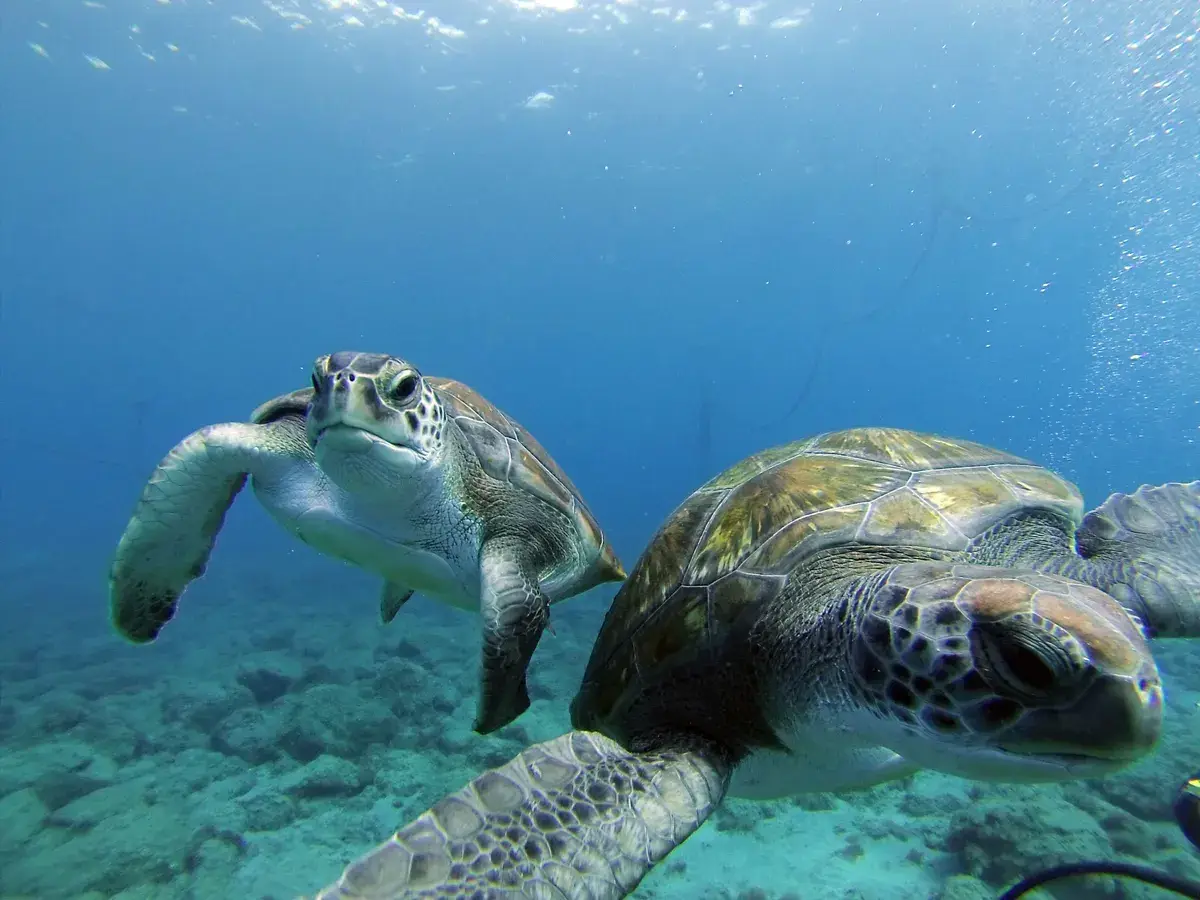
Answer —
509 453
293 404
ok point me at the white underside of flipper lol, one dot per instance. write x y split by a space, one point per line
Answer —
813 767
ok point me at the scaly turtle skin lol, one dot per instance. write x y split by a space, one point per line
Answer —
420 480
823 616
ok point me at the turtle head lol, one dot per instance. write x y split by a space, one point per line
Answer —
372 417
1005 675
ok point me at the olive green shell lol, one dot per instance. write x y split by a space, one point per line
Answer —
734 541
293 404
507 452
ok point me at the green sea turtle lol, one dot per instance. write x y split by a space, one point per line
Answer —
827 615
418 479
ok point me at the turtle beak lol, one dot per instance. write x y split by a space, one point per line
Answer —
348 402
330 403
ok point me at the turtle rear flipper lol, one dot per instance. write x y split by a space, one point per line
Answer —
1146 549
171 534
393 597
575 818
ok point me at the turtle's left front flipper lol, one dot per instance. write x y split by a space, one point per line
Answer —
575 818
515 613
1144 550
170 536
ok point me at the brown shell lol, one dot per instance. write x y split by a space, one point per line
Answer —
734 541
509 453
295 403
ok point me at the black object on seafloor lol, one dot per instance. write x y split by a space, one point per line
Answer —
1187 809
1187 814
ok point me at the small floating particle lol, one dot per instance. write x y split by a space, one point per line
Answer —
39 50
1137 356
97 63
172 48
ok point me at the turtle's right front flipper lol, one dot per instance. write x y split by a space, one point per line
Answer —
515 612
575 818
1144 549
175 523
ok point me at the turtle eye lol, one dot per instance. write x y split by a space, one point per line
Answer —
1028 659
404 387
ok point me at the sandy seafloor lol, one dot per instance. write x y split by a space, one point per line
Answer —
276 730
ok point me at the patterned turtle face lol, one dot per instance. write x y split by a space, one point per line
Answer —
988 673
372 416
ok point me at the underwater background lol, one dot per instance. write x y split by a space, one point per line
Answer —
662 237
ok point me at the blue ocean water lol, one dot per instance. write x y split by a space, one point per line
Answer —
660 236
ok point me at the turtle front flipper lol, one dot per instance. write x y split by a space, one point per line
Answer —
391 599
515 613
1144 550
170 536
575 818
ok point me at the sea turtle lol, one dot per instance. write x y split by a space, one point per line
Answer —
828 615
418 479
